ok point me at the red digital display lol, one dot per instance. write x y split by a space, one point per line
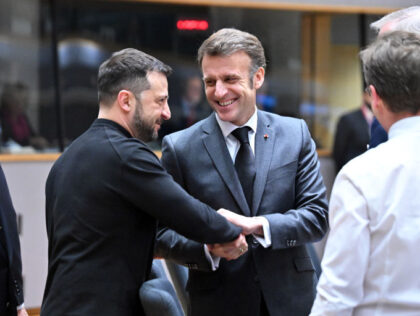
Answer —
192 25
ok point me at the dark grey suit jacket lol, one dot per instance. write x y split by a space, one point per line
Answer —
103 196
351 138
11 292
288 191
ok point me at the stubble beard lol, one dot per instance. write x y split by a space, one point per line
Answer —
144 131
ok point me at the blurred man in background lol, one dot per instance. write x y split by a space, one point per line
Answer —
352 133
407 19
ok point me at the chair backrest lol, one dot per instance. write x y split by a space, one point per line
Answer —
158 296
179 276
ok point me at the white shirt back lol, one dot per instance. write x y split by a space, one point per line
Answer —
371 264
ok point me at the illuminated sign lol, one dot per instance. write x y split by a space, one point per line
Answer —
192 25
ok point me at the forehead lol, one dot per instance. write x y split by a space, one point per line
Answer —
237 63
157 81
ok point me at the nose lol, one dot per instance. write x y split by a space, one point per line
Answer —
220 89
166 112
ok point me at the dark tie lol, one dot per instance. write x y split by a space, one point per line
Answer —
244 163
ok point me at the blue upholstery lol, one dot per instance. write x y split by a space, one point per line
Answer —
158 296
179 276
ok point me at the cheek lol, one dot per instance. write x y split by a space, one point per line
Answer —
158 114
209 92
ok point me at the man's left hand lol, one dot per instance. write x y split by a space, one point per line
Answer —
22 312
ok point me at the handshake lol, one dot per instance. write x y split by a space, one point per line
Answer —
236 248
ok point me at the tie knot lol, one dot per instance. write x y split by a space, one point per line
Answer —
241 134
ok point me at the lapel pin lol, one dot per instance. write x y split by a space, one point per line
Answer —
265 136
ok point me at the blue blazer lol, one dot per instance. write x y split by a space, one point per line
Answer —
11 293
378 135
288 191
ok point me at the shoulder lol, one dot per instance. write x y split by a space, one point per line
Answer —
132 149
109 145
284 126
276 120
351 116
365 166
190 134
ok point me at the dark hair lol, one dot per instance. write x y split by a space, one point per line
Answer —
228 41
127 69
392 65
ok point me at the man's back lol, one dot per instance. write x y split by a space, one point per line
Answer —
384 213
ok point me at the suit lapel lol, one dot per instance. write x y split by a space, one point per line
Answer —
215 145
264 145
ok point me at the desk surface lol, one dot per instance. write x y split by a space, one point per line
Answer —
53 156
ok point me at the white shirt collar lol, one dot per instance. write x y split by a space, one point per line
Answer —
410 124
228 127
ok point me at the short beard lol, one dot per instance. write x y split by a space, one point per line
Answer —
143 132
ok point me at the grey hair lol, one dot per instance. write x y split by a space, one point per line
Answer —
228 41
127 69
392 65
407 19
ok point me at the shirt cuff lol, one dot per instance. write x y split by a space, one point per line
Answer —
21 306
264 240
213 260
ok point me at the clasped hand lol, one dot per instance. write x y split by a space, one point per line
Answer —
234 249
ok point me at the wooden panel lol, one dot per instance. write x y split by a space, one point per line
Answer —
253 4
34 311
28 157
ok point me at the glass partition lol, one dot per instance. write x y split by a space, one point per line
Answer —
313 71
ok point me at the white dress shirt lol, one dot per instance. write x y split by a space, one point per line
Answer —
371 264
233 146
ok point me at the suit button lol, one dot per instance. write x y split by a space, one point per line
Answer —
255 242
256 279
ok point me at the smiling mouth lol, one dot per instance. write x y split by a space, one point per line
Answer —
226 103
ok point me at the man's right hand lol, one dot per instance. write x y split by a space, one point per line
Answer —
230 250
250 225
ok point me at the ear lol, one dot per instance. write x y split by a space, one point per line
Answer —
126 100
376 101
259 78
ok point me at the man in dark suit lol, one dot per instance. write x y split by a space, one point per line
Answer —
278 195
11 291
352 134
105 192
